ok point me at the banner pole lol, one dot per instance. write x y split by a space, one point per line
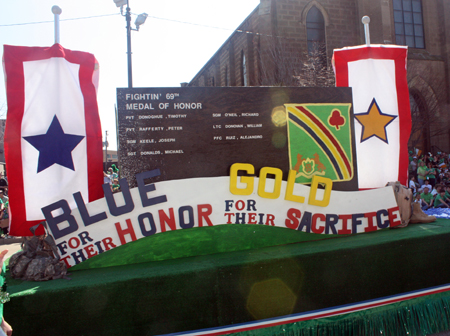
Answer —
56 10
366 20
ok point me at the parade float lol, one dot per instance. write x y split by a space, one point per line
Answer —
248 210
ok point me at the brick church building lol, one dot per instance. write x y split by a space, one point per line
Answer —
282 41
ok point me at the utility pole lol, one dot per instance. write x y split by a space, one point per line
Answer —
139 21
130 71
106 151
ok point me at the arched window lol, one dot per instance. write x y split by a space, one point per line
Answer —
315 30
244 79
409 23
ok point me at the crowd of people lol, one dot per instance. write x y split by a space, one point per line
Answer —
430 180
111 176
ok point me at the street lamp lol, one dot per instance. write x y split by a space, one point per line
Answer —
139 21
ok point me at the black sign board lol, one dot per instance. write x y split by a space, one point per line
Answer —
200 132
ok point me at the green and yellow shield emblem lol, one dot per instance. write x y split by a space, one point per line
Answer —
320 141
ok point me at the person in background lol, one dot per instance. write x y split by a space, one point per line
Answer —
447 193
439 202
106 178
413 185
445 177
436 190
417 199
4 215
3 197
427 198
5 327
109 172
115 186
413 167
432 172
3 184
422 172
115 171
426 184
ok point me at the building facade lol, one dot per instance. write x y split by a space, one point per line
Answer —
282 40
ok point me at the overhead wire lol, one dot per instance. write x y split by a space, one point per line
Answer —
153 17
214 27
52 21
189 23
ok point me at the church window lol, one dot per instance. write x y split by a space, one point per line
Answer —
315 30
408 22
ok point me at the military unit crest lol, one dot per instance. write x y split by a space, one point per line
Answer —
320 141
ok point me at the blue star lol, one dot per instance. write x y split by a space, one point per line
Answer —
55 146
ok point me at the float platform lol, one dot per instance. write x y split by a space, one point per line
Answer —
167 291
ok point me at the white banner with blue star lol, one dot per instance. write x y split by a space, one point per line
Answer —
51 151
53 134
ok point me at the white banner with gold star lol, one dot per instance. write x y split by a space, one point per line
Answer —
377 75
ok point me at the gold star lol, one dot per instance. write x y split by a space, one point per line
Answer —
374 123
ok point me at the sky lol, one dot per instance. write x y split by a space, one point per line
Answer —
177 39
